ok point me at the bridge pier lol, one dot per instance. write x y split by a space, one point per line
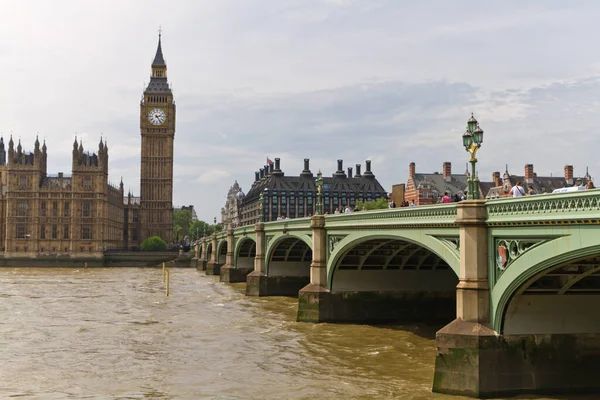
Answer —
213 267
258 283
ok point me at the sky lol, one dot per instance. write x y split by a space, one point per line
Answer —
389 81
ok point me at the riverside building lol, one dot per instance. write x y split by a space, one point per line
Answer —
83 214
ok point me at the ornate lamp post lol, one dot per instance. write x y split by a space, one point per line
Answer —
260 207
472 139
319 184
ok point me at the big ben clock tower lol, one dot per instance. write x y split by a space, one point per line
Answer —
157 127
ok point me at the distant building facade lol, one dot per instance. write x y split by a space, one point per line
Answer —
231 211
84 214
541 184
429 188
296 196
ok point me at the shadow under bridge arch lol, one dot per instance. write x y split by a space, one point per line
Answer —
393 279
245 252
289 256
222 252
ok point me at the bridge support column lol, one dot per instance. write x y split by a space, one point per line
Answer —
231 273
256 281
213 267
196 258
314 300
201 265
467 348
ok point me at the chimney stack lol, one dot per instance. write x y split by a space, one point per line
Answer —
496 178
349 172
447 171
529 173
271 168
368 168
262 173
306 171
411 170
358 175
256 176
277 164
340 169
569 174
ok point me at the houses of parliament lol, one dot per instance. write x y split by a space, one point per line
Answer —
83 214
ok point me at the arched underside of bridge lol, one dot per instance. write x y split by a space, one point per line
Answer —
287 268
245 253
564 298
222 252
391 279
208 252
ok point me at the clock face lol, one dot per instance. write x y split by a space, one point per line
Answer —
157 116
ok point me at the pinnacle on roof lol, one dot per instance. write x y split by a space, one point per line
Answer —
159 60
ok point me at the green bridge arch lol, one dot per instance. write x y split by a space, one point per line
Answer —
275 240
423 237
570 244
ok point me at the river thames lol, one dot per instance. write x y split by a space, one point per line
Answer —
112 334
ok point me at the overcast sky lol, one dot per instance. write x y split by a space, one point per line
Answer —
390 81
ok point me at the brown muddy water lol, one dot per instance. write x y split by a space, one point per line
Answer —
112 334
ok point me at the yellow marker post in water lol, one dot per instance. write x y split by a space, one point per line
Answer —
85 265
167 285
163 273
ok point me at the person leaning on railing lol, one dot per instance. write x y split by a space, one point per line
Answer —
590 185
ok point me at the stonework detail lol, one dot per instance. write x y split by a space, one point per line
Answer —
334 240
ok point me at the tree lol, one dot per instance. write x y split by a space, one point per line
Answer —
183 219
199 228
154 243
373 204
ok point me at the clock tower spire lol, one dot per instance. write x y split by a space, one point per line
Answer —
157 128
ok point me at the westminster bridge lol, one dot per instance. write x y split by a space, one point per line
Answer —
516 280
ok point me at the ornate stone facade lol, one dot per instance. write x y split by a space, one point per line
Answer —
83 214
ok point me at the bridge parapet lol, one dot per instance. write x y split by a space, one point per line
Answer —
560 209
433 215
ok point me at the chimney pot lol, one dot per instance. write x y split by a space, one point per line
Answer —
271 168
277 164
306 165
340 166
569 174
368 172
256 176
262 173
529 173
357 171
349 172
447 171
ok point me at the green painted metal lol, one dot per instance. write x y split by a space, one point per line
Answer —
565 244
238 244
539 232
426 238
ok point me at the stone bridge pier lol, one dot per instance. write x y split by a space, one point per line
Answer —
213 266
282 272
473 359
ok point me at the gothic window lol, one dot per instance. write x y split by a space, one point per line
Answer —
87 183
23 181
87 208
42 232
43 209
65 231
134 234
54 232
22 208
136 216
86 232
55 208
20 231
66 209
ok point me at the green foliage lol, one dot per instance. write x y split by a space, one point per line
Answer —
183 219
199 228
154 243
373 204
